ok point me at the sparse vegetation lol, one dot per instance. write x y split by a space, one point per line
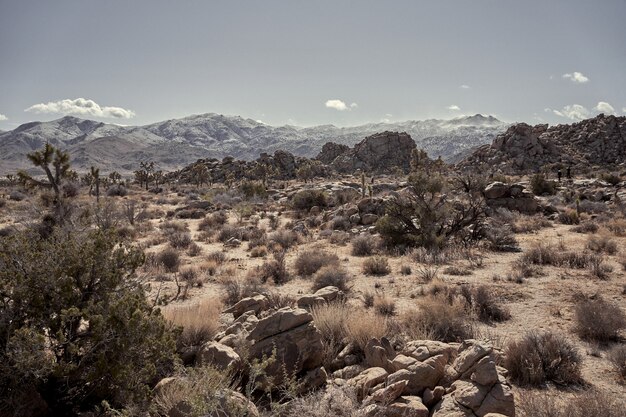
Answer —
376 265
598 320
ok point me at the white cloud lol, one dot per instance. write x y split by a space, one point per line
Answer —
576 77
604 107
340 105
573 112
464 86
453 107
3 117
83 107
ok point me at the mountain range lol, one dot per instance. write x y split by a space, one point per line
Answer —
175 143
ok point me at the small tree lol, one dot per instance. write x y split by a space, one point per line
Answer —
200 174
95 174
56 165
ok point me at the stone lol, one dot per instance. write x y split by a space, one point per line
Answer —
485 372
433 396
497 189
257 304
378 353
421 375
368 219
218 355
367 379
407 406
386 395
402 362
281 321
424 349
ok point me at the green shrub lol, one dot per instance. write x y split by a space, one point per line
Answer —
541 186
75 325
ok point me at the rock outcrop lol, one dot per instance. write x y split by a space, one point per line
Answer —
512 197
380 152
524 149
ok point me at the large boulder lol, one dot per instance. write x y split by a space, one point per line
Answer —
218 355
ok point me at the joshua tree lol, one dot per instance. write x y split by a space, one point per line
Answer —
56 165
200 174
95 175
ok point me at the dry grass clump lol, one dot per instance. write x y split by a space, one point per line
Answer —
199 321
332 401
569 216
602 244
361 328
258 251
310 261
438 317
384 305
332 275
180 240
617 356
500 238
590 403
216 256
617 226
437 256
598 320
169 227
547 254
585 227
274 270
363 245
530 224
540 357
194 250
376 265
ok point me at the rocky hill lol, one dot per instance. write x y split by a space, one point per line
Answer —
173 144
376 153
600 141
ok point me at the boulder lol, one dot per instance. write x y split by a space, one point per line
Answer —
367 379
407 406
218 355
257 304
379 353
421 375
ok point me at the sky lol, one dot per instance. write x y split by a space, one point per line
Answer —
134 62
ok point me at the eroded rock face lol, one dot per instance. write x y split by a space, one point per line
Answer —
330 151
511 197
524 149
377 153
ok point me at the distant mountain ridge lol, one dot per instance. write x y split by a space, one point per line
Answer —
175 143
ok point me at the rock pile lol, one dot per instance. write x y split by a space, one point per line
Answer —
511 196
376 153
523 148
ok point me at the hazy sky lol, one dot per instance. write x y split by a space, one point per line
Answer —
311 62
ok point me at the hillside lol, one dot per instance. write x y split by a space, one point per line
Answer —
176 143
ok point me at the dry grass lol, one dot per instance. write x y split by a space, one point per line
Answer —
310 261
384 305
438 317
617 356
363 245
602 244
331 275
590 403
199 321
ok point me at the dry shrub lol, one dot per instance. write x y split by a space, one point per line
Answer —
169 227
285 238
376 265
361 328
457 271
332 275
258 251
180 240
541 357
438 317
617 356
486 306
598 268
213 221
310 261
169 258
500 238
617 226
194 250
406 270
437 256
384 305
275 270
530 224
236 288
585 227
332 401
602 244
598 320
547 254
231 232
363 245
590 403
216 256
199 321
569 216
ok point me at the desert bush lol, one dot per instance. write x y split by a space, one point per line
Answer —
117 190
428 217
310 261
569 216
340 223
332 401
541 186
530 224
216 256
589 403
611 177
616 226
169 258
586 227
275 270
285 238
180 240
406 270
457 271
540 357
305 199
592 207
376 265
546 254
598 320
213 221
338 237
429 273
617 356
87 334
194 250
384 305
252 189
438 318
16 196
598 268
602 244
500 238
230 232
199 322
332 275
258 251
363 245
487 307
236 289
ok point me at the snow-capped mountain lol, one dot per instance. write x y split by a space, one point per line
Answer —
178 142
